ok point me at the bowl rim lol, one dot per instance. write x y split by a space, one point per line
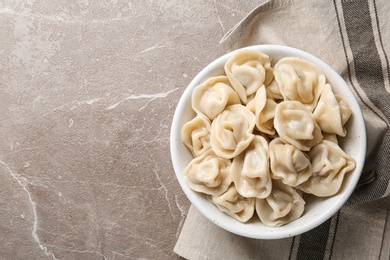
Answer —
193 196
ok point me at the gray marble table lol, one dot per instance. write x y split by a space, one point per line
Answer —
87 94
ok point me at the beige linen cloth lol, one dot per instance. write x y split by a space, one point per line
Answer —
353 36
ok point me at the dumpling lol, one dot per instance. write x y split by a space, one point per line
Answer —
329 114
250 170
282 206
231 131
213 96
295 125
299 80
235 205
247 70
208 174
288 163
263 106
196 135
330 164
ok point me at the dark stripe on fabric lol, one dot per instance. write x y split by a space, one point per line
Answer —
334 235
291 248
381 255
312 244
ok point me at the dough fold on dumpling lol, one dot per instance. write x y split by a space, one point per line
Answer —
288 163
235 205
331 112
282 206
273 88
250 170
263 106
208 174
247 70
330 164
330 137
299 80
213 96
196 135
345 111
231 131
295 125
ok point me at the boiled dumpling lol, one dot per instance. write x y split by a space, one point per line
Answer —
263 106
208 174
329 114
330 164
295 125
299 80
247 70
231 131
288 163
235 205
282 206
196 135
213 96
250 170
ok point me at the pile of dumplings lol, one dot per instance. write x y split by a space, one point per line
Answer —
266 136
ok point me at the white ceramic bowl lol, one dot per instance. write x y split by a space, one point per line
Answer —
317 210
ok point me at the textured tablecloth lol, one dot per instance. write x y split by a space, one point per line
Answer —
354 38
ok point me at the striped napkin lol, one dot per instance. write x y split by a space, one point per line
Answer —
353 36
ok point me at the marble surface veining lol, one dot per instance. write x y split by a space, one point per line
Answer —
87 94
